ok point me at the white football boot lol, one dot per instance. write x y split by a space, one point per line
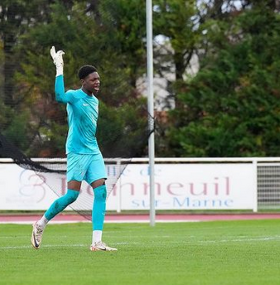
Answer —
36 236
101 246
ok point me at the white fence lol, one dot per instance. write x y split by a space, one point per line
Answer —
180 184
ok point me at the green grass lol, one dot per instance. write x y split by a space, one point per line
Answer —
206 253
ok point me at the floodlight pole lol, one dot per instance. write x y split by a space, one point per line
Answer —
149 28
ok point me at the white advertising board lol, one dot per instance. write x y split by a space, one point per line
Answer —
189 186
225 186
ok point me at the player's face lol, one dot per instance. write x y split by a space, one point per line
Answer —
92 83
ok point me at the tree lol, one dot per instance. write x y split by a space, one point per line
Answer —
106 38
184 26
16 16
231 108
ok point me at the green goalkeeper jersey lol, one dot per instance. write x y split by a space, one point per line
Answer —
82 111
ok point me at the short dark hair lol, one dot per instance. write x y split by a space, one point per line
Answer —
85 70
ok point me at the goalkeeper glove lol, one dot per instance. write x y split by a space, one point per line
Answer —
57 60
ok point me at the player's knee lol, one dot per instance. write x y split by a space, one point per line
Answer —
100 193
71 196
98 183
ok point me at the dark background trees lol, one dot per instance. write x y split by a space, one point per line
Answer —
218 60
231 107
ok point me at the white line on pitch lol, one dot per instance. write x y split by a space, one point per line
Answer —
59 245
241 240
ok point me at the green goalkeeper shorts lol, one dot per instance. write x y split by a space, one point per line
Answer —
88 167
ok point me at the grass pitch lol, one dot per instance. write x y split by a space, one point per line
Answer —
205 253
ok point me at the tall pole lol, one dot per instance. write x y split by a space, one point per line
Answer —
149 27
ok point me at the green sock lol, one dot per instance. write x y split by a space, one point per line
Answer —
99 207
61 203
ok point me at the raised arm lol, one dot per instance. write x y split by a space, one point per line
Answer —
59 90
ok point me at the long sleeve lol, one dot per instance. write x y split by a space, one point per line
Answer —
59 89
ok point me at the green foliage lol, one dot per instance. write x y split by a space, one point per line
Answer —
178 22
18 128
228 108
109 37
231 108
122 132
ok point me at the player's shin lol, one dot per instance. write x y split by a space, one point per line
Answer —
60 204
98 212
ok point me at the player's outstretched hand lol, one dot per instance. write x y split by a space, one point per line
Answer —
57 60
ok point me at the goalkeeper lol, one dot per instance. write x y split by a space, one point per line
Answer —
84 159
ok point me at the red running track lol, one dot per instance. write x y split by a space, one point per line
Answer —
134 218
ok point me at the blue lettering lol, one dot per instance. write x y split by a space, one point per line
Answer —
201 203
185 202
228 203
135 203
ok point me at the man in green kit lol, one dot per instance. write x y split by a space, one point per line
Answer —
84 159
